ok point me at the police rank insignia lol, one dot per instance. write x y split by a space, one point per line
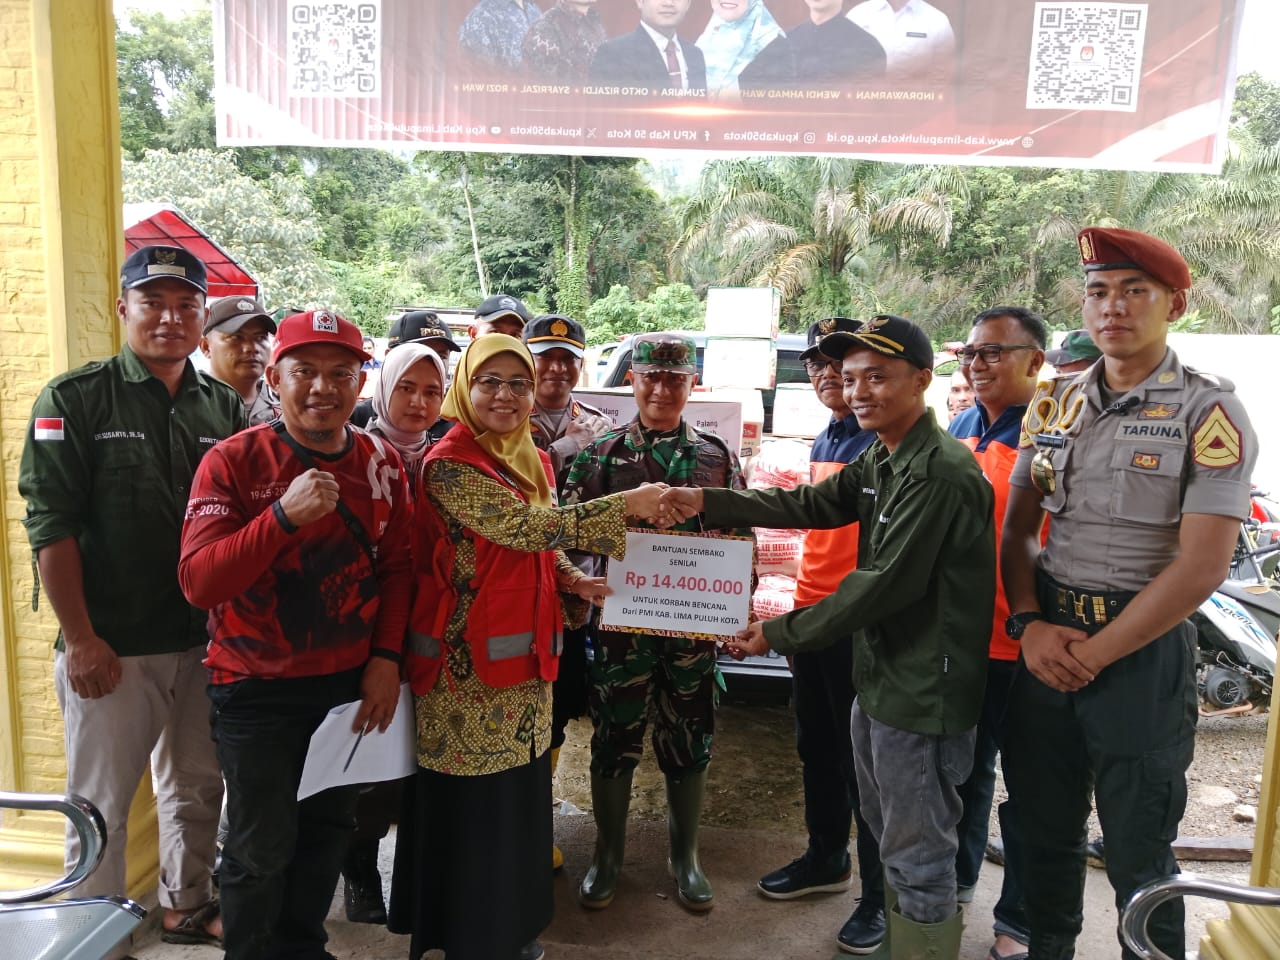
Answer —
1217 442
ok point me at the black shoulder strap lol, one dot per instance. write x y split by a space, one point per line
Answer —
350 519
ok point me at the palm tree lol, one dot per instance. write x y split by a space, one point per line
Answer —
1226 226
808 226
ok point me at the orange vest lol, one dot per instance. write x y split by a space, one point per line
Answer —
514 623
829 555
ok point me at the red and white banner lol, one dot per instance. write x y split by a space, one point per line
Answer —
1025 82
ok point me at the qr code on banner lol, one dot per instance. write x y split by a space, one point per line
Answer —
1086 56
335 48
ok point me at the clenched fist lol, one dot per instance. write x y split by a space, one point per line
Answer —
312 495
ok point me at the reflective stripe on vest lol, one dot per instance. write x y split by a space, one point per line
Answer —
511 645
423 645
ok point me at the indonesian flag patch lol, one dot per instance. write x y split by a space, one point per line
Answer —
49 428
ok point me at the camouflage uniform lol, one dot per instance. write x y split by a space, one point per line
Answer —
677 674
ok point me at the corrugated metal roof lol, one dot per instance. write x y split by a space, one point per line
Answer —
152 223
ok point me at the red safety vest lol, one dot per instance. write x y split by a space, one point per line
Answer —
514 624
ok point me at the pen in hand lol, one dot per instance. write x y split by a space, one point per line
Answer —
354 747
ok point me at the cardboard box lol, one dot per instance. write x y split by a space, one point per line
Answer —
743 312
797 411
739 362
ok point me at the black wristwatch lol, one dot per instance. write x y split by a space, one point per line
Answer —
1017 622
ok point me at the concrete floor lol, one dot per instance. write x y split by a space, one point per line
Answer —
646 923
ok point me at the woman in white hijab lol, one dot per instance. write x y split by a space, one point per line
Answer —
406 402
736 32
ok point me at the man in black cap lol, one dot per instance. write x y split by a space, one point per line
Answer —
110 453
823 686
564 426
237 342
500 313
1143 466
423 326
920 620
415 326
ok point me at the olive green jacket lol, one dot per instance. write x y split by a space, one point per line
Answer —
109 458
919 606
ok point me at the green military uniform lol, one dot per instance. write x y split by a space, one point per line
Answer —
919 605
108 460
677 673
632 673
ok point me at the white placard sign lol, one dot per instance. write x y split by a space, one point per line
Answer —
680 583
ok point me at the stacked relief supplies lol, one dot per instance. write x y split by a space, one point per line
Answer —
785 464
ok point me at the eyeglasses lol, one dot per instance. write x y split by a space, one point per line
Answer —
989 352
490 386
815 367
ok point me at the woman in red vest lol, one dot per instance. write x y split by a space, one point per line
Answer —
473 859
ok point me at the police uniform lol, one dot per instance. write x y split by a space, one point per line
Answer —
553 331
633 675
1116 472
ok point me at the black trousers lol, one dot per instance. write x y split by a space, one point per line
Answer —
1128 736
823 700
281 860
569 691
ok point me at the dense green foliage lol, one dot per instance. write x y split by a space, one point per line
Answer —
612 240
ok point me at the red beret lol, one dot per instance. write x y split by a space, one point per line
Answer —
1109 248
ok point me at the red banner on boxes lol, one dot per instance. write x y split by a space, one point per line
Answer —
1125 85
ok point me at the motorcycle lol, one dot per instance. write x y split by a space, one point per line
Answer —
1238 625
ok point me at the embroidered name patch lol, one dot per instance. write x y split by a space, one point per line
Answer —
1168 431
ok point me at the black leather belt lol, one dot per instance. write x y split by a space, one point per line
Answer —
1088 610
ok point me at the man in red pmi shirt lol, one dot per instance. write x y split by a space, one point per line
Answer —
297 541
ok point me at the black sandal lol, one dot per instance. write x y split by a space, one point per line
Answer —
194 927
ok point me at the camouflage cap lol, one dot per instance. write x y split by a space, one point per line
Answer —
664 351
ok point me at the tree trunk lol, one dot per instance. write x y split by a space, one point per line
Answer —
475 239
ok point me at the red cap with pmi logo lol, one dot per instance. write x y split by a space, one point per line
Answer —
317 326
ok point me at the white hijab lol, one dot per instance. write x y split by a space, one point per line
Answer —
411 444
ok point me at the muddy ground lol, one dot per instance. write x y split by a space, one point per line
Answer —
754 780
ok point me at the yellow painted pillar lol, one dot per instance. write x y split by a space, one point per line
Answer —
1253 933
61 240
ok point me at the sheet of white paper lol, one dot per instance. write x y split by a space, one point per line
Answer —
389 755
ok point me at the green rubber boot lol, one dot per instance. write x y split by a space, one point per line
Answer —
883 950
925 941
684 808
610 798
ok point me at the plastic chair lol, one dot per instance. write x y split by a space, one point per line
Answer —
1136 912
84 929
